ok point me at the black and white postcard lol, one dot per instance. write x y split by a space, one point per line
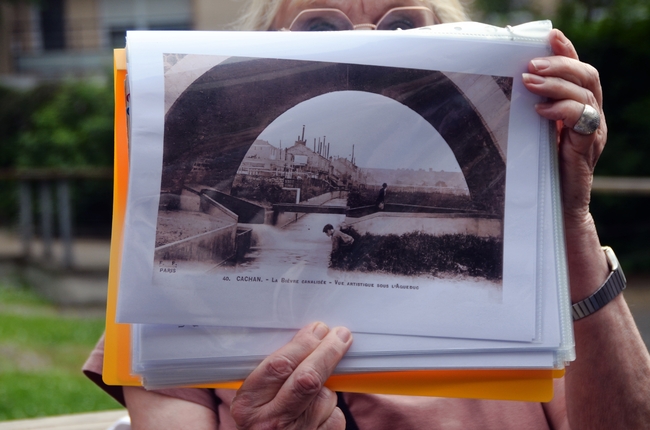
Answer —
387 192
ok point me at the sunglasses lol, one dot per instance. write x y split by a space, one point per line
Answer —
399 18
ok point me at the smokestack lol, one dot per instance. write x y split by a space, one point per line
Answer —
314 144
328 150
303 133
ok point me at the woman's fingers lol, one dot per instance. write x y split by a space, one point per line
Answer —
336 421
308 379
562 77
565 102
287 389
567 111
567 84
561 45
320 410
263 384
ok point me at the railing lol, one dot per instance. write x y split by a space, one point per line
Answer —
46 180
620 185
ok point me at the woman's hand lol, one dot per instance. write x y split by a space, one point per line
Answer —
611 356
286 390
569 85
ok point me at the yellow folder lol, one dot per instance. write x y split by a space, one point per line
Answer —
534 385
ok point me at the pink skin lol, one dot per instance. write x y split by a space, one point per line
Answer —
287 390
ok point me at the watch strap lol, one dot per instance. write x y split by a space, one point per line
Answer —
612 287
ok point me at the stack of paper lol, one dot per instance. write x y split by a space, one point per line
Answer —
396 183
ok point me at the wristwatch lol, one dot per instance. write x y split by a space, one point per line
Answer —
614 284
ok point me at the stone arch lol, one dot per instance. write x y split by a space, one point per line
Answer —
223 112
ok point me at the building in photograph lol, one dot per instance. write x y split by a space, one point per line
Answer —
343 171
291 166
309 163
264 159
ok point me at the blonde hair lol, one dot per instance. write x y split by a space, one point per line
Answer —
259 14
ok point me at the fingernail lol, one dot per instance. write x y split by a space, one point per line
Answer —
533 79
320 331
343 334
541 64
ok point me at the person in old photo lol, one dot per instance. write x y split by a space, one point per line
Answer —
339 239
381 197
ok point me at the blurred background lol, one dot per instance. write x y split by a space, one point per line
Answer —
56 153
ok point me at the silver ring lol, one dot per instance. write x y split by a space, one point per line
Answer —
588 122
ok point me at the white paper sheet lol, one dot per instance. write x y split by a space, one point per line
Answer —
166 353
169 292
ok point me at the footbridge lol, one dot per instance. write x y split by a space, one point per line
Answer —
279 208
362 211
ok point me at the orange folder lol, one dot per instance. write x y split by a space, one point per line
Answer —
516 384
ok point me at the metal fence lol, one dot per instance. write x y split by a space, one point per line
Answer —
46 185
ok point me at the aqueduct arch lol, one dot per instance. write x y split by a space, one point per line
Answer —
223 112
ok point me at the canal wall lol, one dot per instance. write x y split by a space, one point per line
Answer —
214 246
435 224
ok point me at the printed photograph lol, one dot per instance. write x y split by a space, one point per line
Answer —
271 165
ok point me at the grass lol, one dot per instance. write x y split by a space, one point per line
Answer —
41 354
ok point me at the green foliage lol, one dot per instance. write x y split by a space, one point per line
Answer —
415 254
37 394
622 223
612 36
11 295
617 46
59 125
494 6
49 330
41 354
16 110
74 128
